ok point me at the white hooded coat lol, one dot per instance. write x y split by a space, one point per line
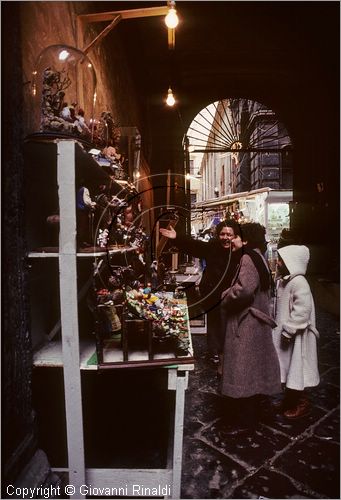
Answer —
295 318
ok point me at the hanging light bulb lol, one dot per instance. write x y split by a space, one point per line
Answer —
63 55
170 98
171 18
34 84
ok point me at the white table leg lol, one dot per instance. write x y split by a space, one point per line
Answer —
180 379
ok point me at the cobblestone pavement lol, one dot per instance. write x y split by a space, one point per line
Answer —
280 459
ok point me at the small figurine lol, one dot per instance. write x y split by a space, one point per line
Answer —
54 84
161 271
68 112
109 320
111 153
128 216
102 239
81 124
154 274
106 129
85 214
103 215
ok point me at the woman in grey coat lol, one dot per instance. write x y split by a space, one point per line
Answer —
250 363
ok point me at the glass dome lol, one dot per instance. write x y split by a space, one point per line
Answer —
63 93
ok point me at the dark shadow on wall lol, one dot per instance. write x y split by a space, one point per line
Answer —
18 441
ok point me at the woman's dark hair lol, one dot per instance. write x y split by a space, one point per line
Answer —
254 234
228 223
287 237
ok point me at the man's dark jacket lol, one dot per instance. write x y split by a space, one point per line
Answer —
221 266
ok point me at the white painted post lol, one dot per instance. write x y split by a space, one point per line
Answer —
181 386
69 313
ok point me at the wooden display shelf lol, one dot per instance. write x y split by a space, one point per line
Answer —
137 347
113 358
187 278
51 355
60 166
43 254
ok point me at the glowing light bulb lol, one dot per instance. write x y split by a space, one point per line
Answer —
171 18
63 55
170 98
34 84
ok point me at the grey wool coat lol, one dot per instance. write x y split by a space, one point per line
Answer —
295 318
250 363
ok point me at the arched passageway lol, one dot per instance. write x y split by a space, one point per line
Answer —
240 165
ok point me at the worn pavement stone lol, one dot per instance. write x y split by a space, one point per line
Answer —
281 458
314 463
270 484
207 471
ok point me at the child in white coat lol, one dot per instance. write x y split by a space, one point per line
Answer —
295 336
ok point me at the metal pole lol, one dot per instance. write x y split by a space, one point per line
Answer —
187 187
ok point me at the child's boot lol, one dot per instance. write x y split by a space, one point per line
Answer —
300 410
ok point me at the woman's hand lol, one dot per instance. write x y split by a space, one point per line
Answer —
285 341
169 233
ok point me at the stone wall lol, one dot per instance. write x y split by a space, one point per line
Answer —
17 415
51 23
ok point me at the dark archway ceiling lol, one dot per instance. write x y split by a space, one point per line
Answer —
283 54
232 47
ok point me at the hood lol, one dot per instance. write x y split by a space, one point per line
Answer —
295 257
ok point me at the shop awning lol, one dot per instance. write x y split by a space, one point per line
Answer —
276 195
